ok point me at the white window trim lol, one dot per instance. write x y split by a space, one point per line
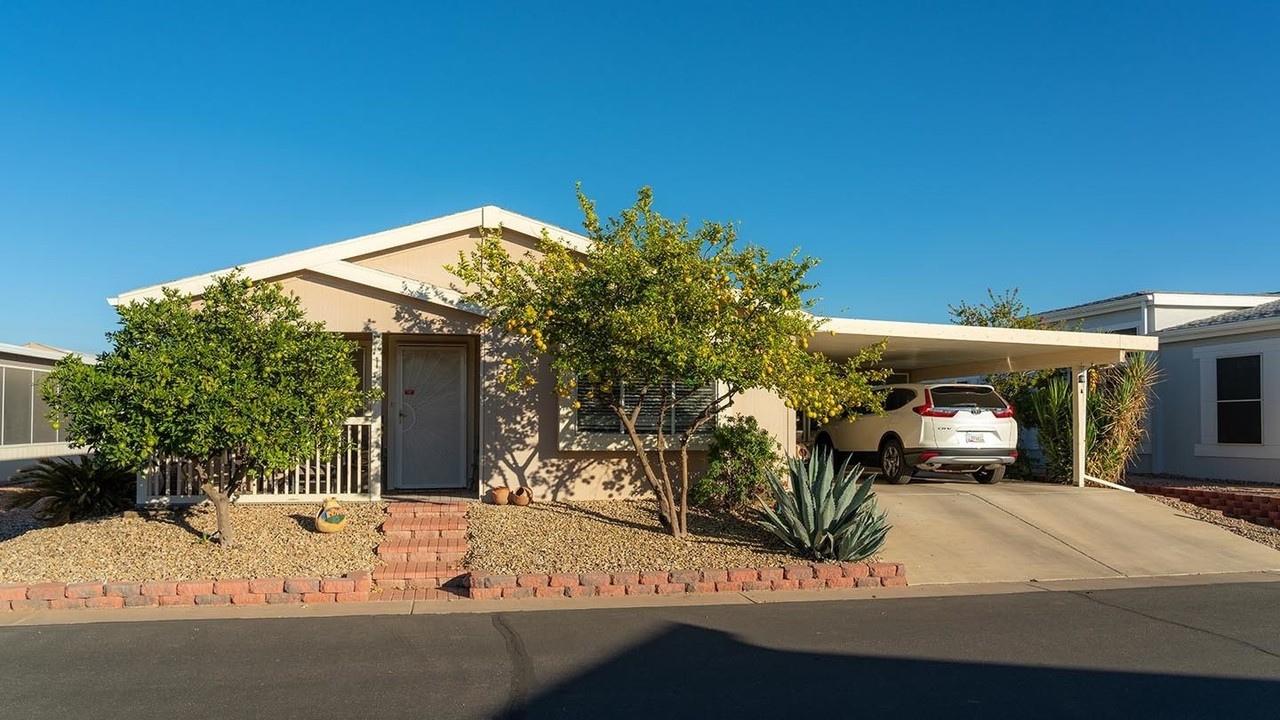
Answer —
1208 356
572 439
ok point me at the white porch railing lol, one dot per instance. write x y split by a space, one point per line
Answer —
352 474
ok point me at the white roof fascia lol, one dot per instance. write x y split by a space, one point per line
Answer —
390 282
43 354
972 333
487 216
1224 300
1203 332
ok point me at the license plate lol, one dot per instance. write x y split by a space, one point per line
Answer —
974 437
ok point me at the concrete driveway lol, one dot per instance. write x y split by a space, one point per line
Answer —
956 531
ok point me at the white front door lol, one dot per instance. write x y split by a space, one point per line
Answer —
430 411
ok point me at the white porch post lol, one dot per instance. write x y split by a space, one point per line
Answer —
375 429
1079 424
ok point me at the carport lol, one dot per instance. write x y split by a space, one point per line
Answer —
930 351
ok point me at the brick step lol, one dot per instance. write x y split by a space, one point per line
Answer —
422 509
424 528
419 575
423 550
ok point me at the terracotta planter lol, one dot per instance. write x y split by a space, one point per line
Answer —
500 495
522 496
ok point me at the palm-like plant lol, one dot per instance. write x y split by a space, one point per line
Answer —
64 490
826 515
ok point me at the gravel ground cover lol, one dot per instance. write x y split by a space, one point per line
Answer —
272 541
1257 533
611 536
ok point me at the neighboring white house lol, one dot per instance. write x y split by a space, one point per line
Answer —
1217 410
25 434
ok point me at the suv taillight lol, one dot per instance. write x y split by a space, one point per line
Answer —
1005 413
928 410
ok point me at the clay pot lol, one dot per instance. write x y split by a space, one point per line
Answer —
500 495
522 496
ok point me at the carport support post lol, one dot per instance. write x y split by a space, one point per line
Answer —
1079 422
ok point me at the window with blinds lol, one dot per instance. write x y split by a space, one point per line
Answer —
595 415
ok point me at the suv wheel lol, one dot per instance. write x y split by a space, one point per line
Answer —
893 463
989 477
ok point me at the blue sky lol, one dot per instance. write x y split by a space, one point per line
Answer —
924 151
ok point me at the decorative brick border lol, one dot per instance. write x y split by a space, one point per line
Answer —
352 587
811 576
1257 509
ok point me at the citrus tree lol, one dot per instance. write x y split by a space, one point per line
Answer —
241 372
667 311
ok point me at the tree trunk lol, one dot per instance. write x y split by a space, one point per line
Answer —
222 510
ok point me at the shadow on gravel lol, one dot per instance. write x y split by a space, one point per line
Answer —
692 672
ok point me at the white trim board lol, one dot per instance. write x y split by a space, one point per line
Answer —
489 216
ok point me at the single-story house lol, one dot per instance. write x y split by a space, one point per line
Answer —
445 424
25 434
1217 408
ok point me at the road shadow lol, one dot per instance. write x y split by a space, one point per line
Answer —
694 672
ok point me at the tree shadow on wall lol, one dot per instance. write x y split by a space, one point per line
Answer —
694 672
519 433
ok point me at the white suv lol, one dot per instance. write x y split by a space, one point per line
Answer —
951 427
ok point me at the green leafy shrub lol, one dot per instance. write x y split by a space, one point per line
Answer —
827 514
739 457
67 490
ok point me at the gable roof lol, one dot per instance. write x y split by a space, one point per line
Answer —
331 259
1260 317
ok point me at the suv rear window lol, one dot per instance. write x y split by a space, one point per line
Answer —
966 396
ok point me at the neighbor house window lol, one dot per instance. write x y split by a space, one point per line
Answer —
595 415
1240 400
22 410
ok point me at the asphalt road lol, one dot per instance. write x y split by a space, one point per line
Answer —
1209 651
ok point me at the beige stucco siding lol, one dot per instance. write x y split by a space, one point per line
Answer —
518 434
426 261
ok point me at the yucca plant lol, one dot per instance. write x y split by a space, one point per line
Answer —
827 514
1119 401
65 490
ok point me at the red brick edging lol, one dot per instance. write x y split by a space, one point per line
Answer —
1257 509
353 587
810 576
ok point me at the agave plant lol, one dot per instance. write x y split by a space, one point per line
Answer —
65 490
827 514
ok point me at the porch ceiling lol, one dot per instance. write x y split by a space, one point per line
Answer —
931 351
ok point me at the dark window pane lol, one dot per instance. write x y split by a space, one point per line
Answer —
17 406
898 398
1125 331
1240 422
1240 378
43 431
958 396
696 399
594 415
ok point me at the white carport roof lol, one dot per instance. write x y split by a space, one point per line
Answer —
930 351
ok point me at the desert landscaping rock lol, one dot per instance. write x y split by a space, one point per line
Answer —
272 541
611 536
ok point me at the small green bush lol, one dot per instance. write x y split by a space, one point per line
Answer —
740 456
67 490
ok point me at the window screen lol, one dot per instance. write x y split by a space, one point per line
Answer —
1239 381
15 414
595 415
